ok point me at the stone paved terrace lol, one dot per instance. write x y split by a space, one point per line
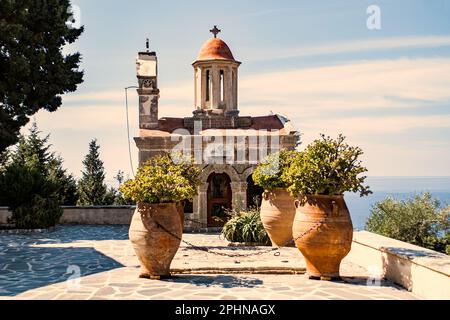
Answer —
41 266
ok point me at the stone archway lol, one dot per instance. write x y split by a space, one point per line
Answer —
254 192
219 199
238 190
247 172
219 168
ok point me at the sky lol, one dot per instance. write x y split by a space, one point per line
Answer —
387 89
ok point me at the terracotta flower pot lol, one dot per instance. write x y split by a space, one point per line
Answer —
180 208
154 246
277 215
325 229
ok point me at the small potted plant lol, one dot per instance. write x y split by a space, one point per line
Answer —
277 207
159 187
319 177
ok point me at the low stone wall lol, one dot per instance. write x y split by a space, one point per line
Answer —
4 215
87 215
105 215
423 272
97 215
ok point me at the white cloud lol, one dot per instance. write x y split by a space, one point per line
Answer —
311 97
349 47
401 83
357 85
181 92
314 98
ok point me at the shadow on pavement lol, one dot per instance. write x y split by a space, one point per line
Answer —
223 281
23 266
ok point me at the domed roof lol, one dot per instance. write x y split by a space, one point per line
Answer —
215 49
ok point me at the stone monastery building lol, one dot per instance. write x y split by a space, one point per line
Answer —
226 145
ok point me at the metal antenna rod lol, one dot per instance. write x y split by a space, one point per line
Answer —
128 127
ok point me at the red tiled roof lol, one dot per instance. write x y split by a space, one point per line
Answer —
171 124
271 122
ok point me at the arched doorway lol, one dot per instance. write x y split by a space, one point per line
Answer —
254 193
188 206
219 199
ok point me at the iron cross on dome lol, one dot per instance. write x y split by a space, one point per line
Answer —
215 31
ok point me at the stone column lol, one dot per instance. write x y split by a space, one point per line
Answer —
203 88
215 73
239 190
198 87
195 213
228 86
201 205
235 88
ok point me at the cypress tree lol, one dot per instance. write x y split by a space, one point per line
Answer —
91 187
66 181
34 184
32 149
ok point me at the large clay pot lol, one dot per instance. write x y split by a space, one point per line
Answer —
154 246
277 215
180 209
324 232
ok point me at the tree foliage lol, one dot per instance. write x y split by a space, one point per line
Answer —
67 183
269 172
33 199
33 183
115 194
33 150
92 189
327 167
34 72
420 220
163 179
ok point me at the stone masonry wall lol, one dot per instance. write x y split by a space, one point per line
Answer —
108 215
87 215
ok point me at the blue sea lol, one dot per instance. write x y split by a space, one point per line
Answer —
397 187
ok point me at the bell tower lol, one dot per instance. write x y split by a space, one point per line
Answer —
147 74
216 79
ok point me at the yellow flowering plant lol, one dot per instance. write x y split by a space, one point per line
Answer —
163 179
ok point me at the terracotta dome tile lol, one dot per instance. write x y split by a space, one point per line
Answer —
215 49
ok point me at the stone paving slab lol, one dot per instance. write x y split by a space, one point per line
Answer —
123 284
43 266
190 260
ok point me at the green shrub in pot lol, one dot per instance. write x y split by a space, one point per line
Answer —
322 228
327 167
277 207
269 172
